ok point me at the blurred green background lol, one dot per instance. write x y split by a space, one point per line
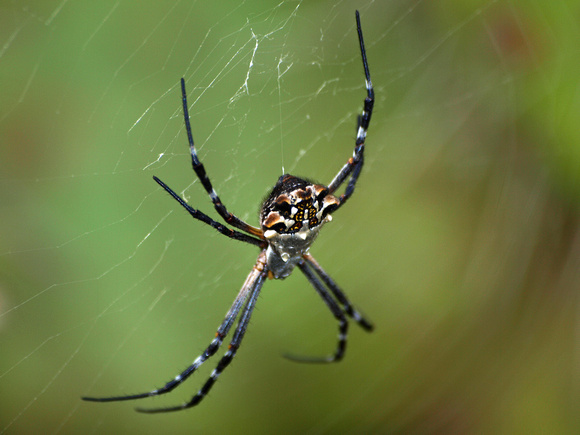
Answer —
461 242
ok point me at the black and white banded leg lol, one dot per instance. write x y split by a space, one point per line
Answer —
336 311
354 164
196 214
339 294
247 299
199 169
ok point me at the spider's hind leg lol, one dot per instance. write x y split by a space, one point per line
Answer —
244 303
349 309
336 311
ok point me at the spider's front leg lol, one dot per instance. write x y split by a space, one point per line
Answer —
354 164
196 214
199 169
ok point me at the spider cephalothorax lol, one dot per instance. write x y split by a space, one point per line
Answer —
290 219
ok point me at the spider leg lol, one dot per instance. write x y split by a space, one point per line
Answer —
305 267
253 285
196 214
248 294
200 171
339 294
354 164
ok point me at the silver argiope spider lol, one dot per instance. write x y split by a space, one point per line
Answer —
290 219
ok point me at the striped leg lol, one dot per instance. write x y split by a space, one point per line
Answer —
200 171
339 294
354 164
196 214
254 290
336 311
247 295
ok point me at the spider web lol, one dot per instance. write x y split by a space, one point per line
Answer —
461 242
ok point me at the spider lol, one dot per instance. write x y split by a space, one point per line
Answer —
290 219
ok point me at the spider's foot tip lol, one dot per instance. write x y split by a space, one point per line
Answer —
91 399
152 410
159 410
